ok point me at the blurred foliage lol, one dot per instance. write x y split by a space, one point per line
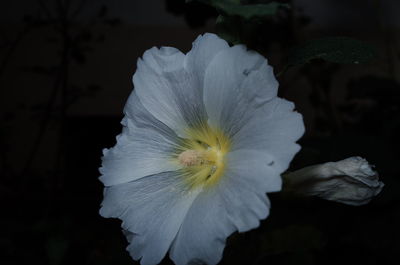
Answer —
332 49
72 35
242 22
35 212
195 13
246 11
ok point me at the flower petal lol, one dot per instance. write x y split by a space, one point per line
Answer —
152 210
260 85
204 48
238 202
274 128
139 152
254 168
201 237
246 205
137 115
167 90
165 59
233 80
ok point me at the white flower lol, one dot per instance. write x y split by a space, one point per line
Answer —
205 138
350 181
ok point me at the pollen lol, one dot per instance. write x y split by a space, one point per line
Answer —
203 156
190 158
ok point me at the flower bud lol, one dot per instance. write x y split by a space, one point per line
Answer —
350 181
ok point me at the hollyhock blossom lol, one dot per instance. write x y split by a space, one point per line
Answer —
350 181
204 138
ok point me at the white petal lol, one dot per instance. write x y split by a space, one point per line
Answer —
236 203
254 168
167 90
204 48
152 210
139 152
137 115
202 235
233 79
260 85
246 204
274 128
165 59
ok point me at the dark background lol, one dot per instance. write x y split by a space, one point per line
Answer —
65 74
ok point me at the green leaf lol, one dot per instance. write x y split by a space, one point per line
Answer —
234 8
332 49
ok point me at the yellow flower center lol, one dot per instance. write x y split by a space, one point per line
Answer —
203 156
